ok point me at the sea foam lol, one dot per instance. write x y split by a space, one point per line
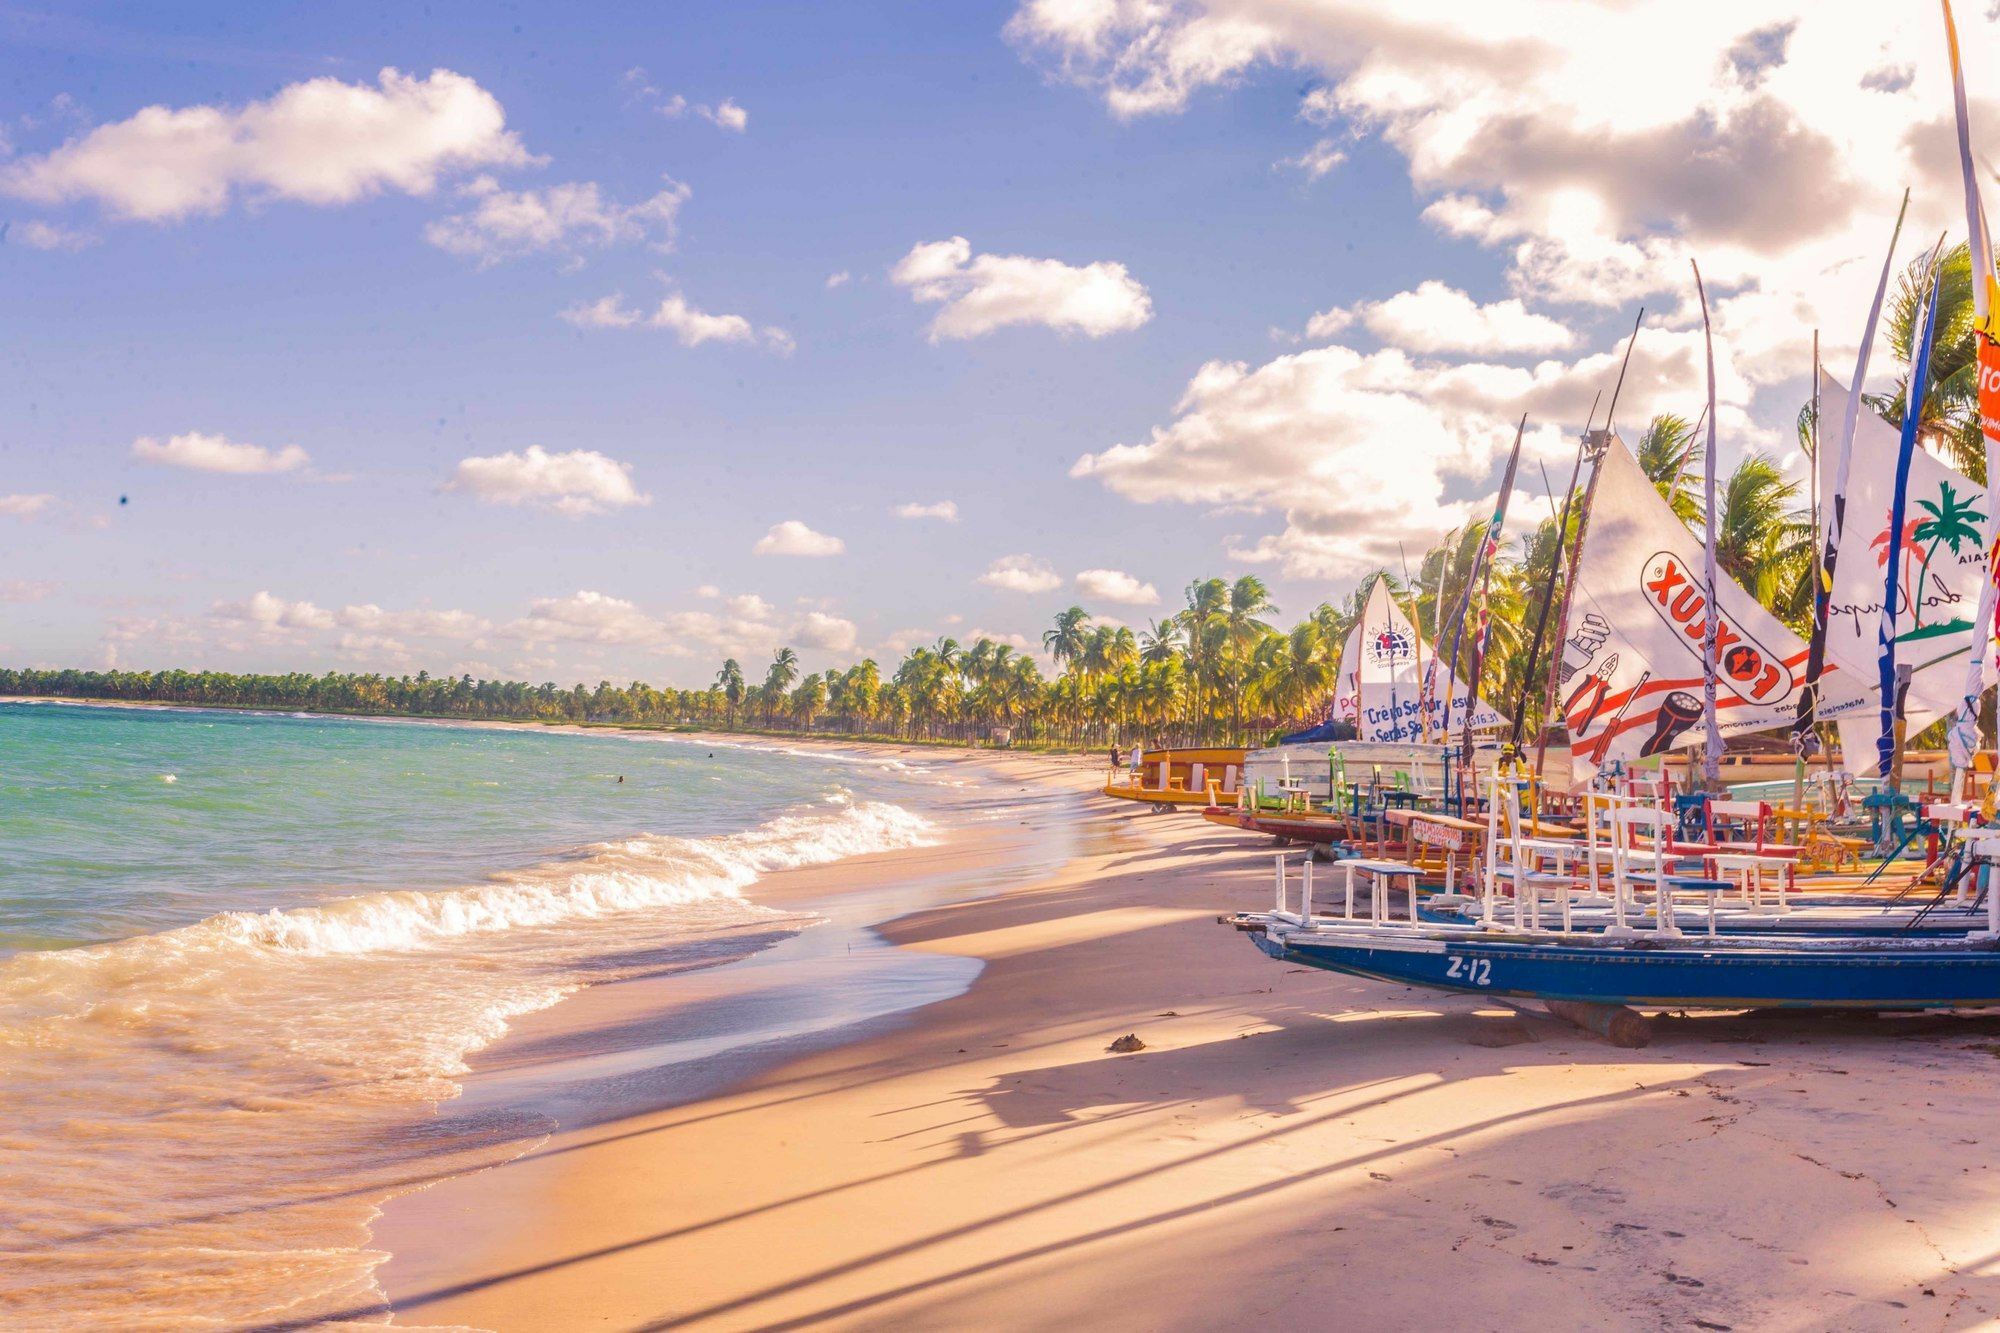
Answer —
257 1082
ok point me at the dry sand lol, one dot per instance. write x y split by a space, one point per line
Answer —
1291 1148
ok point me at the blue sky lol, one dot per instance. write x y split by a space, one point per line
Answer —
272 314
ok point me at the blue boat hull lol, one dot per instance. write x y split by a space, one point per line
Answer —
1931 977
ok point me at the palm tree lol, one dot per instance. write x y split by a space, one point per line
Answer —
1160 640
784 670
1294 672
1204 622
977 661
1762 542
730 679
1066 640
808 699
1671 453
1248 600
1950 422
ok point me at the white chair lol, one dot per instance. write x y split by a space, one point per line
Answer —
1507 829
1666 887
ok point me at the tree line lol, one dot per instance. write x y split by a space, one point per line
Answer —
1217 669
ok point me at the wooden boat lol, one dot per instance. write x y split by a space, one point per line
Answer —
1959 972
1292 826
1181 776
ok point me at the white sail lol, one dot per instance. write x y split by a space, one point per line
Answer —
1632 666
1381 688
1942 557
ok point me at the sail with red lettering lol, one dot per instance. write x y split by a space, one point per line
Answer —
1631 673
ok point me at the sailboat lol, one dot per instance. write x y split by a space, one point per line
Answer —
1662 625
1387 727
1939 554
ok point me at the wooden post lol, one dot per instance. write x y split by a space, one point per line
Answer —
1614 1022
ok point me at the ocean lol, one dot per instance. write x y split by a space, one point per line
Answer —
244 958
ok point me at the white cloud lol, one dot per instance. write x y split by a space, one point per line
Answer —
317 142
606 312
27 590
981 293
748 624
946 510
265 612
200 452
1021 573
792 537
47 236
24 506
840 279
1302 435
370 618
579 482
901 641
1316 161
586 617
1437 318
1777 155
826 633
1115 585
1020 643
727 115
694 327
504 224
690 326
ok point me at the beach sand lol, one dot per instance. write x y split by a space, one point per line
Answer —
1291 1148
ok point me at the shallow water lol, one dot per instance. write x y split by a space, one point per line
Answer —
233 1002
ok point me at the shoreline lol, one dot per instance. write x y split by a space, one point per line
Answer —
336 1029
1286 1139
632 1047
688 731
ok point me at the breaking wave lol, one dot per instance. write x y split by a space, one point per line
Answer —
212 1068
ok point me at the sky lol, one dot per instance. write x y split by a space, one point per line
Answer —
541 342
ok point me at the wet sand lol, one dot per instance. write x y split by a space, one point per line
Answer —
1290 1148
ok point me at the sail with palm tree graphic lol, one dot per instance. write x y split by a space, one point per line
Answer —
1947 528
1940 566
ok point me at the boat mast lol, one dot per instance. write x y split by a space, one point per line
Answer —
1491 549
1361 665
1895 682
1548 599
1964 733
1812 451
1711 765
1596 445
1805 742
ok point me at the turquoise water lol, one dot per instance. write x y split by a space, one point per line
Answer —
115 822
244 957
